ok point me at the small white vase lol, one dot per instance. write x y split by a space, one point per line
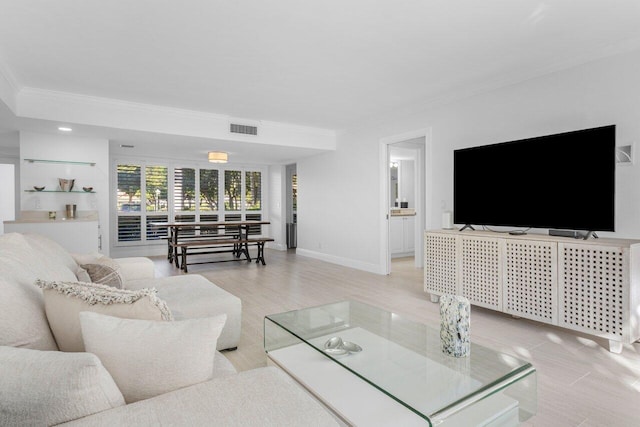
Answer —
455 312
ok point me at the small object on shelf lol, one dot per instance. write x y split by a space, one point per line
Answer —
66 184
71 211
52 214
88 189
35 187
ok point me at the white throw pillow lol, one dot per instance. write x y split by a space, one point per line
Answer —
148 358
63 301
51 387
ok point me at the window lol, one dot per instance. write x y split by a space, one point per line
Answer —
253 191
232 190
156 188
184 189
156 180
128 203
209 196
128 188
166 192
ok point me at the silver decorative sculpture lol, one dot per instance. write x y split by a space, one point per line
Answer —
455 319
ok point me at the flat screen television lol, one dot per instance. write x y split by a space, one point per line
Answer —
562 181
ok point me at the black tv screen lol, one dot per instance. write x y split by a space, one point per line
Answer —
561 181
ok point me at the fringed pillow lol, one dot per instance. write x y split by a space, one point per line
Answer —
63 301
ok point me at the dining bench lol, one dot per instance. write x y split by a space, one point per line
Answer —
207 245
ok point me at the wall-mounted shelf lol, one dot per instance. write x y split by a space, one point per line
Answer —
56 191
60 162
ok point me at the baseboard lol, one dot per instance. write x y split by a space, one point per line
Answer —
346 262
276 246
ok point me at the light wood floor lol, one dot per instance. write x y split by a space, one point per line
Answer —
579 382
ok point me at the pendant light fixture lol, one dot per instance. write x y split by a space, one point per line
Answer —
218 157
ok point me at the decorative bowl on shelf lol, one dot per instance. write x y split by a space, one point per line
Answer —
35 187
66 184
88 189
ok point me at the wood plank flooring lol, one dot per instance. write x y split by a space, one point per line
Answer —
579 382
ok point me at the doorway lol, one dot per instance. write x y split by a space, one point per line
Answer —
292 206
405 194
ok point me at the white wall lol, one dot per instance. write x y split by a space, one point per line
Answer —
277 213
341 204
10 155
66 148
7 194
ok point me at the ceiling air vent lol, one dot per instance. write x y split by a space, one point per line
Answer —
244 129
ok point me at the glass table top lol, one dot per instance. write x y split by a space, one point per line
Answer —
403 359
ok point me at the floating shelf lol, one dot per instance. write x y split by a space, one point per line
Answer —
57 191
60 161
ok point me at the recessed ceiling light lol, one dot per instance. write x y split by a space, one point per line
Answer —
65 129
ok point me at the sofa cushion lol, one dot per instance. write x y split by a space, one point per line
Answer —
23 322
52 252
131 268
63 301
259 397
148 358
51 387
191 296
104 270
82 275
22 317
29 260
136 268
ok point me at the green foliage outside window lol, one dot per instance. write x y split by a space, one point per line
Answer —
208 190
232 188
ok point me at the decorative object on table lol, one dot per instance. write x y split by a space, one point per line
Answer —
35 187
337 347
447 220
88 189
66 184
455 312
71 211
52 214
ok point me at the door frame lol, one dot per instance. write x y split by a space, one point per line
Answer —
423 194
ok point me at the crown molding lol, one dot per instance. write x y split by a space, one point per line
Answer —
9 86
107 112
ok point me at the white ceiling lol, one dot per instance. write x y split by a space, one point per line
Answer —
315 63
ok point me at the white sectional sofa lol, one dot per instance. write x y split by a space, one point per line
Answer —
38 386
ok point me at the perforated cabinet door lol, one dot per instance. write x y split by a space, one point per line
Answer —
481 271
593 288
441 264
531 280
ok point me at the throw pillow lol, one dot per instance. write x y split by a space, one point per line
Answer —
86 258
64 300
51 387
82 275
104 270
147 358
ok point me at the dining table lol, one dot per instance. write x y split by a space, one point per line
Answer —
177 231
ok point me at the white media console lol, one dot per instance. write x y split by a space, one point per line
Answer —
591 286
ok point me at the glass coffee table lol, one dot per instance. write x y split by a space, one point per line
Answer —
373 367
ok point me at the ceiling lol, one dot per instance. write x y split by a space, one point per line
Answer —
326 64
